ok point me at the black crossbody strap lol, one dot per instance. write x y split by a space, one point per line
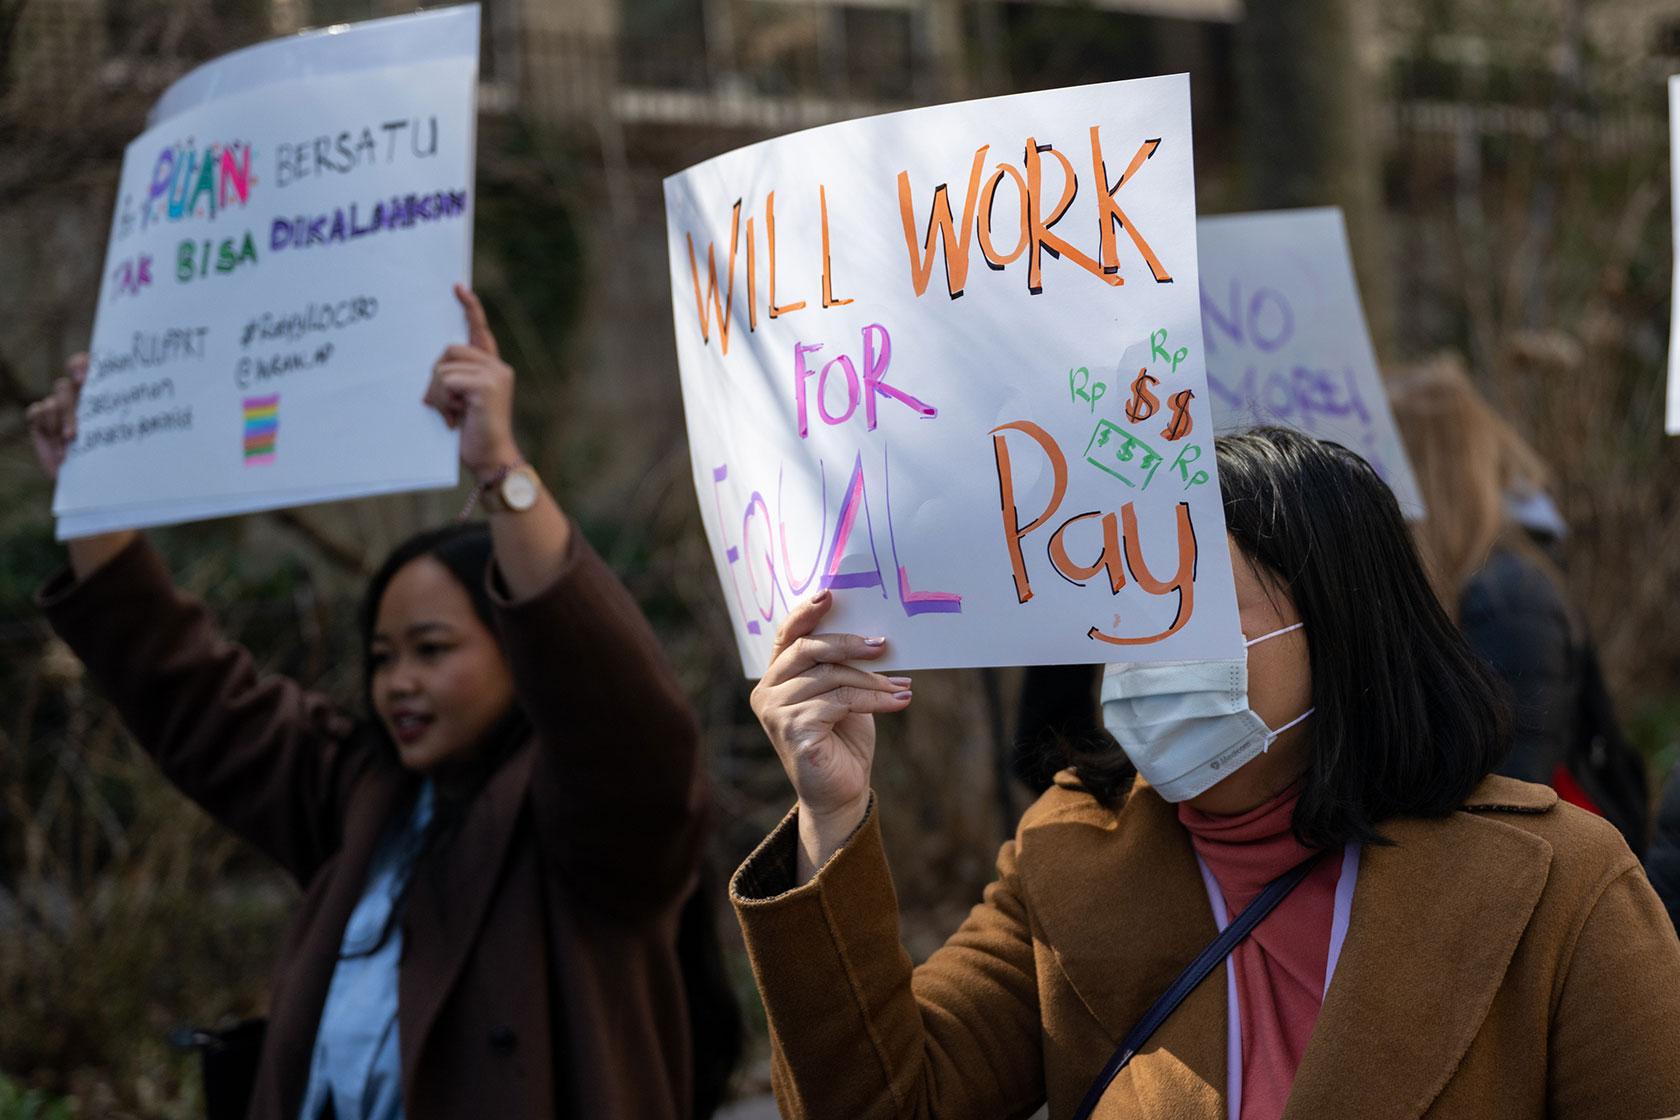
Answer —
1218 949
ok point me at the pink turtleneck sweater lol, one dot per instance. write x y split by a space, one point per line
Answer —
1279 972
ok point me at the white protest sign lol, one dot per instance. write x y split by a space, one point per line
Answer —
1286 338
1673 424
907 345
278 280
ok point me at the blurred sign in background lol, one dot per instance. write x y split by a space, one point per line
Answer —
1503 168
255 238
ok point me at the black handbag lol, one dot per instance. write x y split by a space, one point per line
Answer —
1218 949
228 1059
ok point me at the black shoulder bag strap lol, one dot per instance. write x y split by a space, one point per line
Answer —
1218 949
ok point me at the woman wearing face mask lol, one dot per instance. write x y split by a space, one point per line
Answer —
495 860
1460 946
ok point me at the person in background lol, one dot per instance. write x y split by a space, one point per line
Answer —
1461 946
1487 526
495 856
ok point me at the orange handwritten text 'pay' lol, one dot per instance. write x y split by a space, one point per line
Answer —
1121 551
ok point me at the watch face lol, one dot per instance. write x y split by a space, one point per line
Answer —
519 489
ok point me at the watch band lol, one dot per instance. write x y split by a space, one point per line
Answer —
481 492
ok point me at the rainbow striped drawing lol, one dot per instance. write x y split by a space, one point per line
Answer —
262 427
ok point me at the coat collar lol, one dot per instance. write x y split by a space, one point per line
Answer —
379 796
444 916
1436 918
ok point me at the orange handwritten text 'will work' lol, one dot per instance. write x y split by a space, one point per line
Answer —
715 303
1035 219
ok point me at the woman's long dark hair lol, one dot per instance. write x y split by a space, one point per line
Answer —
1407 718
465 551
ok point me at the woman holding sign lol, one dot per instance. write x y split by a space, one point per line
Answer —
495 859
1440 943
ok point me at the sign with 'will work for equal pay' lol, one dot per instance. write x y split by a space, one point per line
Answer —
278 280
907 348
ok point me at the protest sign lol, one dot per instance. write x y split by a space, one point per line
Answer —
1673 424
1286 338
948 363
278 280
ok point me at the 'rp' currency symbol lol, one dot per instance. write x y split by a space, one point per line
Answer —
1179 426
1143 403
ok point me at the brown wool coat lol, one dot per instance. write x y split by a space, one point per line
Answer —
539 975
1509 961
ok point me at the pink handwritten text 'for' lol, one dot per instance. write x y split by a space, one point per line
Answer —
876 356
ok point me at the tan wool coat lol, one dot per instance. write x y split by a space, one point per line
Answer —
1507 961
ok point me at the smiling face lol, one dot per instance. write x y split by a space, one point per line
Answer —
439 681
1279 689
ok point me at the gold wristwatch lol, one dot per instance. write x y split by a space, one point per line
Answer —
513 489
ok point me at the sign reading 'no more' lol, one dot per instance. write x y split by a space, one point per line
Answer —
949 364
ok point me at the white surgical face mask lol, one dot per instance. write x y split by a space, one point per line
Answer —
1186 725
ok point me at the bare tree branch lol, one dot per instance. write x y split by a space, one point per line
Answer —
340 552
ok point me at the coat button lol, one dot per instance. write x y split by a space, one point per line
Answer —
503 1041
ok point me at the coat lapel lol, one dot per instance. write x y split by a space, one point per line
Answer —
445 913
1436 918
295 1021
1122 907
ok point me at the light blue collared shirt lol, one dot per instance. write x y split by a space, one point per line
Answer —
356 1063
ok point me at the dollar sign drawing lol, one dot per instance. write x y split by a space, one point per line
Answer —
1179 426
1143 403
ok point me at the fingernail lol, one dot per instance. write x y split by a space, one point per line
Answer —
901 682
905 695
822 596
874 641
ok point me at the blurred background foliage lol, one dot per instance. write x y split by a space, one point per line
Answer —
1503 165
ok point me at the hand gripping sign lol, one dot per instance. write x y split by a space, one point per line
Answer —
949 363
277 283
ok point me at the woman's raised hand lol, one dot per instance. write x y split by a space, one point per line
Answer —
52 419
52 429
820 715
473 388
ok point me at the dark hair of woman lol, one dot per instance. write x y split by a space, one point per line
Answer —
465 550
1407 720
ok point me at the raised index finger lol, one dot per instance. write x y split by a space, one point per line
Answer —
478 324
